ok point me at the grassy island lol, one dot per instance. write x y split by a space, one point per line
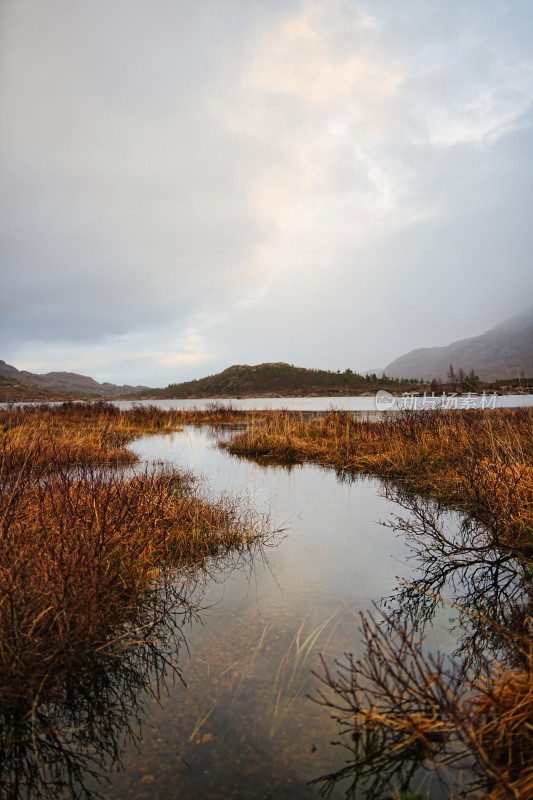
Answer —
479 461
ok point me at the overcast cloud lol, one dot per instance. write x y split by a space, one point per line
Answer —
188 186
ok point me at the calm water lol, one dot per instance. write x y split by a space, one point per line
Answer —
242 725
360 404
219 708
368 404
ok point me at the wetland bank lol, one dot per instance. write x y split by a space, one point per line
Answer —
155 645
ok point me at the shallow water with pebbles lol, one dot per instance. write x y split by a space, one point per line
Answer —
241 724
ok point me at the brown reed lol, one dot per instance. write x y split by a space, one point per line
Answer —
422 709
479 461
82 544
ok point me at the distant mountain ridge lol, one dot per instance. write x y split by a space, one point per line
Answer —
505 351
68 382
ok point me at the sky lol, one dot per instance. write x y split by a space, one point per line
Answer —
186 186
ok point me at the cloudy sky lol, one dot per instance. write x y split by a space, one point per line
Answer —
185 186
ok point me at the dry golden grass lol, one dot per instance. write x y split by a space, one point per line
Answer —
81 544
503 712
399 706
480 461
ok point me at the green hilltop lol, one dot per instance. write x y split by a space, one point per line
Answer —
275 379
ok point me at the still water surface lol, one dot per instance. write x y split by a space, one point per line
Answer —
360 404
240 723
217 705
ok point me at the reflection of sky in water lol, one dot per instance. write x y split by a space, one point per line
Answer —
335 558
241 725
335 550
334 543
359 403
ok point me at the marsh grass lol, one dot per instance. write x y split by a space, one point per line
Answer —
59 747
478 461
401 708
81 545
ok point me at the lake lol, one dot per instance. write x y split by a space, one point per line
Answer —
383 401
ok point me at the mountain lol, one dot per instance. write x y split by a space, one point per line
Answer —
271 379
502 352
67 382
11 391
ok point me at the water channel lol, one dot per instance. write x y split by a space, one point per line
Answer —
224 709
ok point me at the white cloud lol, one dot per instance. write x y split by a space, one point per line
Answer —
299 59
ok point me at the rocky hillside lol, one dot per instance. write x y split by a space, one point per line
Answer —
502 352
63 382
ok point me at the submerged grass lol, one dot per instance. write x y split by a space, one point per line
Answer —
81 544
292 673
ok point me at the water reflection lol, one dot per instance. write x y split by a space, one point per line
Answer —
487 591
381 702
69 743
243 727
377 770
407 713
